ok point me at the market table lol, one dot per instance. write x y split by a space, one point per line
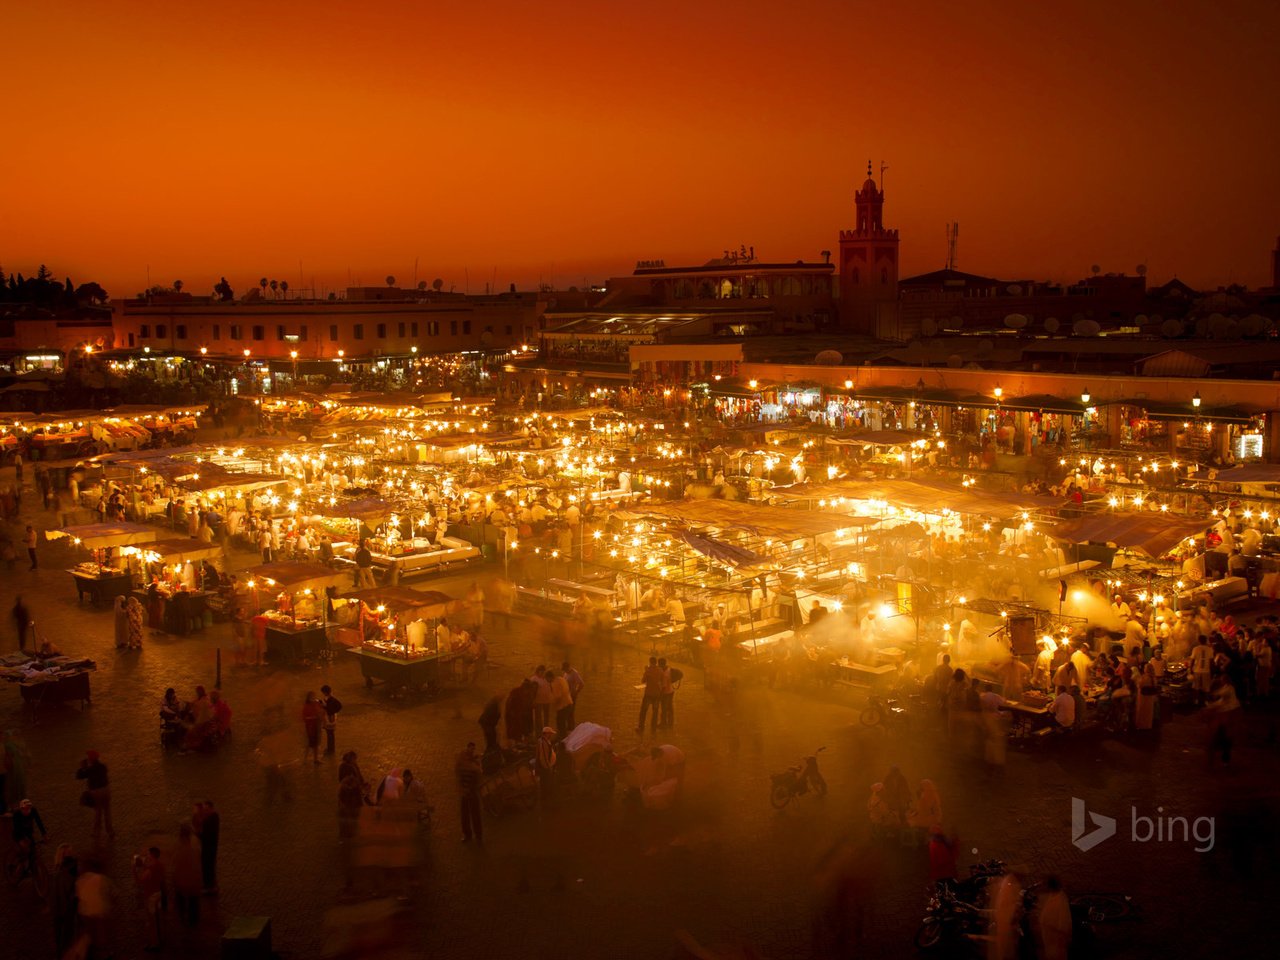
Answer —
861 674
102 589
284 645
399 672
48 680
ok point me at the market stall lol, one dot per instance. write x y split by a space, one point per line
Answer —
395 635
293 624
178 586
48 680
107 574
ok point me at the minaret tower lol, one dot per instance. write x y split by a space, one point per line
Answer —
869 266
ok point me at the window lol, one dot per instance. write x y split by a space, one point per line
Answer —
433 328
333 332
259 333
302 332
414 328
145 331
180 331
382 331
453 328
401 333
466 326
237 332
217 331
131 339
162 331
358 331
280 332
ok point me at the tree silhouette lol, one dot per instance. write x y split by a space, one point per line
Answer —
177 286
223 290
284 289
391 281
263 284
437 284
275 286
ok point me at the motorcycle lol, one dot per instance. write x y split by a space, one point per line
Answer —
797 779
949 921
880 711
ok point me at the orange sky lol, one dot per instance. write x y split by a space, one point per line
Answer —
570 139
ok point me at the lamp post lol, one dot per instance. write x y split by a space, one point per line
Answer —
293 354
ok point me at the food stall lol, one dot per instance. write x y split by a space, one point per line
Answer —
106 576
396 636
173 568
293 626
56 679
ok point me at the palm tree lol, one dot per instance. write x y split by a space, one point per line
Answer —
275 285
177 286
263 284
284 289
391 281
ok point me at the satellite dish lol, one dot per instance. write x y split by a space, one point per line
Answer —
1014 289
953 324
985 346
1141 320
1095 269
1171 328
1015 321
829 358
1086 328
929 326
955 361
1051 325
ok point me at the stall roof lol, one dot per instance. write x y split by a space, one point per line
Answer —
297 576
761 519
400 599
172 551
98 535
1150 534
879 438
372 510
1247 473
922 495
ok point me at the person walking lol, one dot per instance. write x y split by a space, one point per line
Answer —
541 697
671 676
490 717
97 793
652 698
63 898
468 773
546 767
332 705
29 540
561 702
148 874
121 622
21 622
312 715
1054 916
576 683
93 907
186 876
208 829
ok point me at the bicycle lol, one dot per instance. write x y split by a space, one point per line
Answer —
25 862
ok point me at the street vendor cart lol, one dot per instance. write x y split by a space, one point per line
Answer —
293 628
106 575
394 628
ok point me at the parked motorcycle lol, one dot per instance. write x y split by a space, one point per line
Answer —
797 779
949 921
886 712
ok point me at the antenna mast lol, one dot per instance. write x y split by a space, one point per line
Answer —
953 241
